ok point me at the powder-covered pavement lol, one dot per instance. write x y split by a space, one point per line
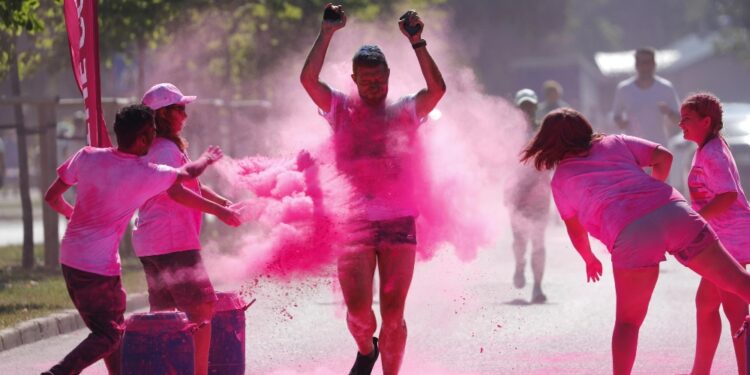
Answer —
464 318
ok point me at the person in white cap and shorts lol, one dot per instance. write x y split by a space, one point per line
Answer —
527 197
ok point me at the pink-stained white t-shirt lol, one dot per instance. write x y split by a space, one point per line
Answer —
164 226
374 148
714 172
111 185
608 189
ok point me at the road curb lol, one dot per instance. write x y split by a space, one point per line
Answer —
55 324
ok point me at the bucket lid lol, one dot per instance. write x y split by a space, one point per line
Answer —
157 321
228 301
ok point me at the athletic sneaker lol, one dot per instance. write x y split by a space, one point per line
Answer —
537 296
364 363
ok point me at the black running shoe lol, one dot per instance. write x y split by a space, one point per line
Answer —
364 363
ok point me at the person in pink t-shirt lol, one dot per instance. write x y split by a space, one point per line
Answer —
111 184
600 187
374 143
716 194
166 237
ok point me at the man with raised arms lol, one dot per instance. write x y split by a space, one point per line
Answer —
373 141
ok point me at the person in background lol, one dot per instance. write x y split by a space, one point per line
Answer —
527 196
646 105
716 194
166 237
111 184
552 92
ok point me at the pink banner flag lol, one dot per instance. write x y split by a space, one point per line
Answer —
83 36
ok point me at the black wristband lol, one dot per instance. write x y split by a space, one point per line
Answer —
419 44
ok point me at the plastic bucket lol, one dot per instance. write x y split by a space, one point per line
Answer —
227 353
158 343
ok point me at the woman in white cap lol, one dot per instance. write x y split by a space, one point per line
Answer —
166 238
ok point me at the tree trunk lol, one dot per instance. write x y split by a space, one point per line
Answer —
23 162
48 163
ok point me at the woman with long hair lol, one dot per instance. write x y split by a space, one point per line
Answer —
167 234
600 187
716 194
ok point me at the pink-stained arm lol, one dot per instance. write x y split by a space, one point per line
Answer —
661 162
719 204
427 98
213 196
579 236
195 168
188 198
54 197
318 90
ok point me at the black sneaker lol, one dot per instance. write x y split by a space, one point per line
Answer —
364 363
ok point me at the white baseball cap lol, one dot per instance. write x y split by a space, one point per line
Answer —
164 94
526 95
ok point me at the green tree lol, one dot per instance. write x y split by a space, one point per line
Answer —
19 17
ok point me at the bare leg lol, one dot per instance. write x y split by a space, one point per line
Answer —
538 257
519 249
708 326
633 288
736 310
201 338
716 265
396 265
355 270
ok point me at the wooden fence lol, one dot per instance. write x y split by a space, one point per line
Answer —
218 117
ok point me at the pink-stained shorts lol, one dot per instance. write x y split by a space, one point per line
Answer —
177 280
402 230
674 228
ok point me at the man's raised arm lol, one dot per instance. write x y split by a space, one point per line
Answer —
428 98
334 19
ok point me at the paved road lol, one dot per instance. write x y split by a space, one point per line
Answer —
464 318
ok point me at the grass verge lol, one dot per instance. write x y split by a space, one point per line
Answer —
29 294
